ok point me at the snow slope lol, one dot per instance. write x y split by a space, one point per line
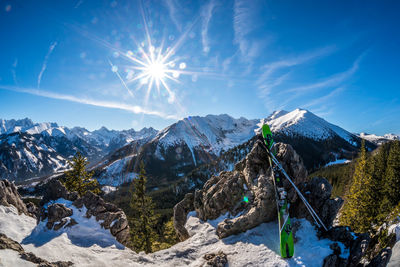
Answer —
302 122
211 133
87 244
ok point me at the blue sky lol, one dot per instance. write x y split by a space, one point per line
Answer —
95 63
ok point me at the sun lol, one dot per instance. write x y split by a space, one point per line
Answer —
156 71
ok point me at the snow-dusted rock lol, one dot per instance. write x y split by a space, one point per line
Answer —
26 258
181 211
112 217
55 215
10 196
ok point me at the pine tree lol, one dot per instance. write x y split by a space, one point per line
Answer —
391 181
142 233
359 210
78 179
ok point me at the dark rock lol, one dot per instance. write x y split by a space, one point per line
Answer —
54 190
8 243
60 224
33 209
216 260
181 211
10 196
358 249
317 192
71 223
382 259
56 214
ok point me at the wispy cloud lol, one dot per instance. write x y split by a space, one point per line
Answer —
44 65
324 99
243 25
331 81
174 10
14 71
270 68
206 14
98 103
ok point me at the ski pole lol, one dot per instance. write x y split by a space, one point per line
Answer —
317 220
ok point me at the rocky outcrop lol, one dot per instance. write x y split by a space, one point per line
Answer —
216 259
56 215
318 193
54 190
112 217
8 243
10 196
250 180
247 194
181 211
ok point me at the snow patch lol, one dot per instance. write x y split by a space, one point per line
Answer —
338 161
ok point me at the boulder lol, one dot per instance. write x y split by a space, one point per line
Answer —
113 217
216 259
56 214
54 190
10 196
181 211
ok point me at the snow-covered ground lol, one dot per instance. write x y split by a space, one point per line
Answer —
338 161
87 244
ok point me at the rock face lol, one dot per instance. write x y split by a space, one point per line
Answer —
57 213
318 193
10 196
54 190
113 217
8 243
251 178
181 211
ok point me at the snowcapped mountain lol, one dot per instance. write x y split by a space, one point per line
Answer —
30 149
212 133
301 122
179 148
376 139
103 139
23 155
183 146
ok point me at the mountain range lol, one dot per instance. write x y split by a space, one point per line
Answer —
29 149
